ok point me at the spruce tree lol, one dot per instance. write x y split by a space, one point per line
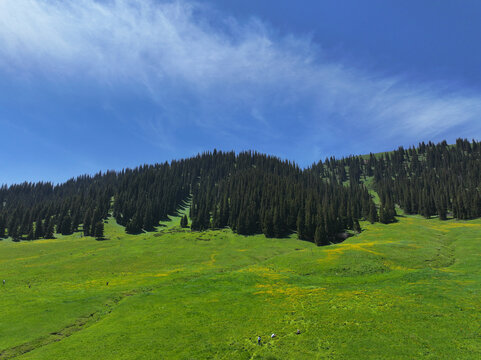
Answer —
268 225
66 225
441 209
134 226
99 230
49 230
14 232
318 236
300 224
39 230
373 217
2 226
31 233
357 226
184 221
87 223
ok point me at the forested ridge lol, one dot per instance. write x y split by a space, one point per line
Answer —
431 179
254 193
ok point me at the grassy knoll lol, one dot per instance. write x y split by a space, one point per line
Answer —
401 291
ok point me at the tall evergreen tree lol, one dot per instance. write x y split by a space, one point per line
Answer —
99 230
357 226
39 230
49 229
2 226
373 217
184 221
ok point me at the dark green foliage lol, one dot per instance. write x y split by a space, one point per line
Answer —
356 226
258 193
268 225
254 193
87 223
134 226
148 220
432 179
99 230
48 229
249 192
373 217
65 225
184 222
387 211
39 229
2 226
14 232
27 205
30 233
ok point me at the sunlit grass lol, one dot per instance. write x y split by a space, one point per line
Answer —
401 291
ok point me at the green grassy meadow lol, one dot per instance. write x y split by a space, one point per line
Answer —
401 291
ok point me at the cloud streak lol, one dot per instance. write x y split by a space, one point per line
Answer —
217 73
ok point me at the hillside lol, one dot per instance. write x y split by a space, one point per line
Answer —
252 193
112 274
400 291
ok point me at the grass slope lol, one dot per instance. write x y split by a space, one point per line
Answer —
401 291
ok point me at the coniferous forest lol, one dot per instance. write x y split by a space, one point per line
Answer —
254 193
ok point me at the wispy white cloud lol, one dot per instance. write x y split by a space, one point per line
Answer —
214 71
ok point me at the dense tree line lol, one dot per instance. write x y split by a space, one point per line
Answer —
31 211
249 192
254 193
431 179
265 195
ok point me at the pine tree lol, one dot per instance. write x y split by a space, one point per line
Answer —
390 211
66 225
30 233
148 220
49 231
373 217
2 226
216 218
268 225
39 230
318 236
99 230
300 224
242 224
277 224
357 226
87 223
440 208
133 226
14 232
184 221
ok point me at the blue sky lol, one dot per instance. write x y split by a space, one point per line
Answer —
94 85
